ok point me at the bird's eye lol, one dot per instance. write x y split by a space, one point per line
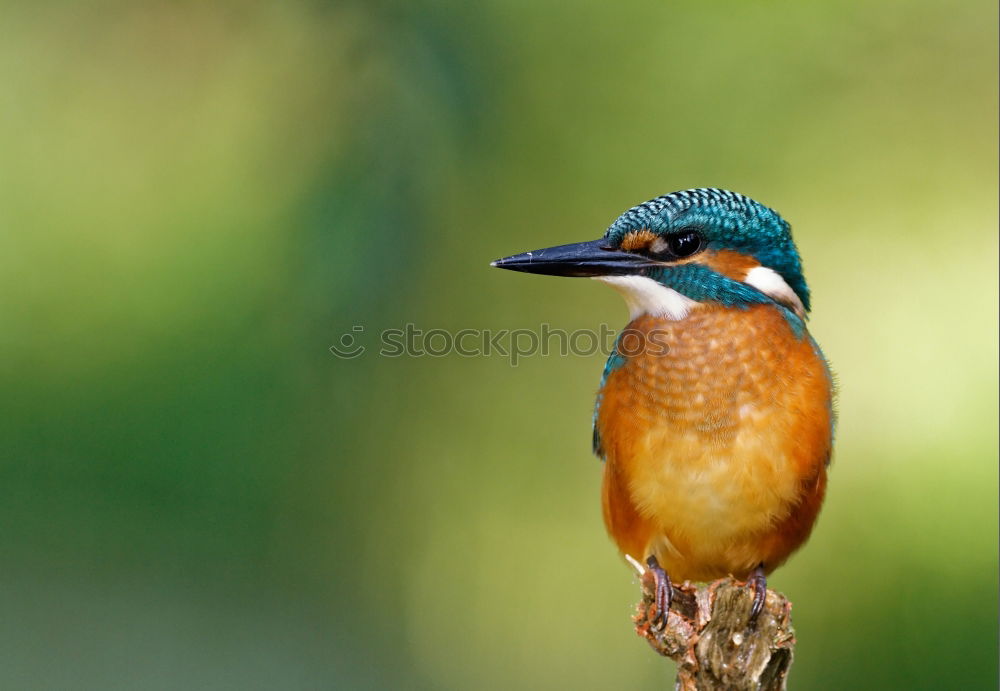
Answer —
677 245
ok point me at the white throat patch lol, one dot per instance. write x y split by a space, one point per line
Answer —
646 296
770 282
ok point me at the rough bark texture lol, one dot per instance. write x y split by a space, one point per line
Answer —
709 635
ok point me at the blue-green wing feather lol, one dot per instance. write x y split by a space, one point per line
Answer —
615 360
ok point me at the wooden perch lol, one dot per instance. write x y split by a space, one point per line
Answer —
710 637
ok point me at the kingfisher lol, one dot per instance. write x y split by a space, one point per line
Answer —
714 414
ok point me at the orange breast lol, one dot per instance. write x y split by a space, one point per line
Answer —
716 438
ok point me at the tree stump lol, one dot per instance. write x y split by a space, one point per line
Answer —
709 635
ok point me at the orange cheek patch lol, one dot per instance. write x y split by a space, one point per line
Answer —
637 240
728 263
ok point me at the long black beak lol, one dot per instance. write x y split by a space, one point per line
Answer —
579 259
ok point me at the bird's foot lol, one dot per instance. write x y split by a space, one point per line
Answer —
759 583
663 593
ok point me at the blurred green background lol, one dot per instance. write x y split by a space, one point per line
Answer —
198 199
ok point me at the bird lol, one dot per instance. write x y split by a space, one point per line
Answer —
714 417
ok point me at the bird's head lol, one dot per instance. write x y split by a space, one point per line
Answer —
696 246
